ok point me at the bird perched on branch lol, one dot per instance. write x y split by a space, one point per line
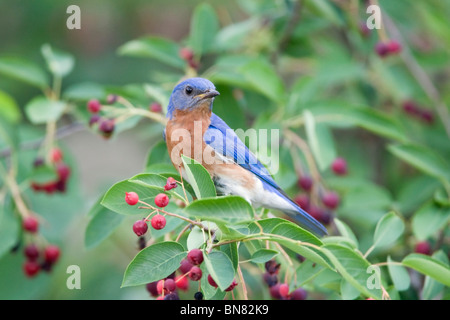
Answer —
194 130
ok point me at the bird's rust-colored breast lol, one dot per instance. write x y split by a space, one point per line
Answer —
184 134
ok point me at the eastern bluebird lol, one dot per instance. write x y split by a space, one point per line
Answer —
193 129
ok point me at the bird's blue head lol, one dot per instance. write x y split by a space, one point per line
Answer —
191 94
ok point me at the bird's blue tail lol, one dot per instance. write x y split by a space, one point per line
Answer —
306 221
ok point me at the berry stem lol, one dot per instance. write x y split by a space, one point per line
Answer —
148 206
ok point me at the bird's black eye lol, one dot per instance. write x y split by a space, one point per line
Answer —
188 90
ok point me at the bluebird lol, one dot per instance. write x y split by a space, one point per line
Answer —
194 130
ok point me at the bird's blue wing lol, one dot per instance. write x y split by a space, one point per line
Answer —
224 140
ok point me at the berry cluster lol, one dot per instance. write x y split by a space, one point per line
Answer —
279 290
105 126
61 169
329 200
188 55
37 258
158 221
391 47
411 108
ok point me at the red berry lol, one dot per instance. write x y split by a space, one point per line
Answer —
131 198
394 47
339 166
410 107
363 29
423 247
140 227
284 290
106 127
162 200
170 184
56 155
31 251
152 288
298 294
30 224
31 268
158 222
38 162
94 106
51 253
275 291
185 266
112 98
170 285
382 49
232 285
211 281
305 183
160 286
182 283
195 273
186 54
155 107
427 116
331 200
94 119
302 200
270 279
195 256
272 267
63 171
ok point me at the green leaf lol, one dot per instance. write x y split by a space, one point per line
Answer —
263 255
289 235
204 27
346 232
158 154
428 266
220 268
160 49
9 109
196 238
389 228
378 123
102 222
431 287
263 79
399 275
9 229
422 158
154 263
85 91
199 178
157 182
320 140
59 63
429 219
41 110
209 292
114 198
229 208
23 70
354 268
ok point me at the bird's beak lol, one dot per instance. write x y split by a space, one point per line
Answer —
208 94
